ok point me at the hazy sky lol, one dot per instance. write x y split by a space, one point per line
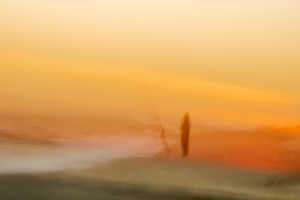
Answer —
221 60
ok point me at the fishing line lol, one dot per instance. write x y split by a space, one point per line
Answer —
163 137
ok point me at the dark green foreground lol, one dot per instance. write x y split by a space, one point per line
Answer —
138 179
29 187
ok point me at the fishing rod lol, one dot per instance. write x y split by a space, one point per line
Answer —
163 136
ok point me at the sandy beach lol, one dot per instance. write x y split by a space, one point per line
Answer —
151 178
111 174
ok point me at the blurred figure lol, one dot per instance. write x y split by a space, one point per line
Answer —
185 134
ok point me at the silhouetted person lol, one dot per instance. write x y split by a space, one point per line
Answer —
185 134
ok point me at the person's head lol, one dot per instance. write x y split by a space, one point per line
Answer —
186 116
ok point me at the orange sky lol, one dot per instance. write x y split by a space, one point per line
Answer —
223 61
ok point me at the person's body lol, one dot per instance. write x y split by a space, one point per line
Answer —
185 134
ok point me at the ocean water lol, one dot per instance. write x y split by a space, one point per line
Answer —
70 155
